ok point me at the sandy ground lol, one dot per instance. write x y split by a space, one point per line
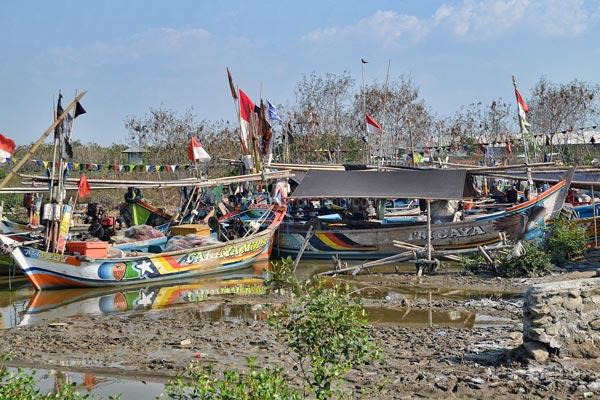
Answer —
430 362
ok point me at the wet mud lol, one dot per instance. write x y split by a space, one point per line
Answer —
444 336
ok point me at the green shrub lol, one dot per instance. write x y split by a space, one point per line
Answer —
326 330
533 262
473 264
565 240
200 382
282 277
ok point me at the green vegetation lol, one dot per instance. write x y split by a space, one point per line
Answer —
201 382
533 262
326 329
282 277
566 240
473 264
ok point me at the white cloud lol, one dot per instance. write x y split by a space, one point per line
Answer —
471 20
386 26
561 17
481 19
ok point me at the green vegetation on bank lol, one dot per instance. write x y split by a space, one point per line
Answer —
564 241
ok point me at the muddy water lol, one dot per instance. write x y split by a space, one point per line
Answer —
98 384
20 305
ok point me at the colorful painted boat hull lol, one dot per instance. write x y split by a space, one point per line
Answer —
523 221
51 271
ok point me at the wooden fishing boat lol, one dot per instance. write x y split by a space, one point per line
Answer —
374 241
51 270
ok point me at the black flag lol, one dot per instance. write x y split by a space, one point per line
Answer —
79 110
288 133
59 110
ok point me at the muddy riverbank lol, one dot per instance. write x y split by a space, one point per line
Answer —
442 336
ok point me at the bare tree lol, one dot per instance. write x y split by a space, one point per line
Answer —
482 122
167 134
407 116
321 105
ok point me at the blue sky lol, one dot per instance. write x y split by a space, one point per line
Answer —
132 55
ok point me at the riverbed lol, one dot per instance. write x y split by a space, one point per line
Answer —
448 335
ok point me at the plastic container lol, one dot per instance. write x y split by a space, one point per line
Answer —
90 249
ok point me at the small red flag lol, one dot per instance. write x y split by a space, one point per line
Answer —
84 189
196 152
7 147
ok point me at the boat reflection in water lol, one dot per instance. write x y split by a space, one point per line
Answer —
56 305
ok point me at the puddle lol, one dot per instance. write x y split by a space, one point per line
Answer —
421 318
414 292
22 305
97 384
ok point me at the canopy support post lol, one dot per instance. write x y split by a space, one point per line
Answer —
429 229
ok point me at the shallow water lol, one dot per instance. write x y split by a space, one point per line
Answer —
99 384
21 305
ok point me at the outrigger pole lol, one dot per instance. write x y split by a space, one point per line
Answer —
40 141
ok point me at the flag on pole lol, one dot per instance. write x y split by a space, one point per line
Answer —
59 110
372 125
246 110
523 110
196 152
7 148
273 115
79 110
264 129
231 85
84 188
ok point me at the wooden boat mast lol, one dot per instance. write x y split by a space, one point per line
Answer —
40 141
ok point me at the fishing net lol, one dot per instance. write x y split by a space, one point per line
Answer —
188 242
143 232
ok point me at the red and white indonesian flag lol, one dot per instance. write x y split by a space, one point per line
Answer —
372 125
7 148
246 110
523 107
196 152
523 110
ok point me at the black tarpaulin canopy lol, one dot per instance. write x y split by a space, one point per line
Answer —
434 184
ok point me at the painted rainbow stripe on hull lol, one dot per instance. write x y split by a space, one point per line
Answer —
337 241
50 270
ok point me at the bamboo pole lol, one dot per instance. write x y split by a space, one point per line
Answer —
383 126
525 144
40 141
175 183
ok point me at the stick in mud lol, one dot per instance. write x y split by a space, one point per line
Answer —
309 235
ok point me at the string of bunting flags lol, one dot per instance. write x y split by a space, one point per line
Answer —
510 138
108 167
